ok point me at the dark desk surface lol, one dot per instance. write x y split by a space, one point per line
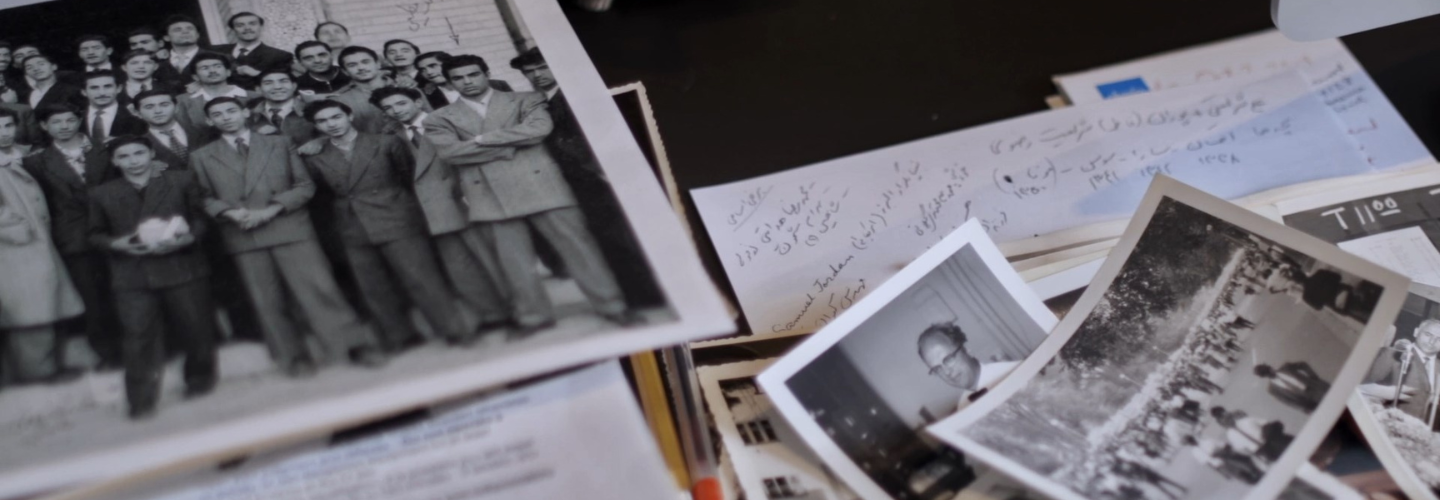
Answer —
746 87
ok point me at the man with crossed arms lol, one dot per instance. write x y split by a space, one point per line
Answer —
512 184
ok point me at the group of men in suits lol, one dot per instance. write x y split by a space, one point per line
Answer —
178 182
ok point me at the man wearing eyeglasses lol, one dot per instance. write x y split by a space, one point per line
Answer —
942 348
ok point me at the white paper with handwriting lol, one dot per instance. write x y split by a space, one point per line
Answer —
801 246
1333 73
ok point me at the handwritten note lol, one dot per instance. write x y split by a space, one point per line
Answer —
1406 251
1374 125
801 246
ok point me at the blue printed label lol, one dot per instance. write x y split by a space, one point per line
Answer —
1122 87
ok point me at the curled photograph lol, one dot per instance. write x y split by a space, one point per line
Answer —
1208 360
934 339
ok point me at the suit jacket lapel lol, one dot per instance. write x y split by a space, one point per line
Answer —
496 112
332 167
425 156
96 164
60 167
256 163
465 118
156 191
364 154
228 157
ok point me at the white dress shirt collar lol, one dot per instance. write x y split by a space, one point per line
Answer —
285 108
37 93
180 59
235 91
481 105
108 114
243 134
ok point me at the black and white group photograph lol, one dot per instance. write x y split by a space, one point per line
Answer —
213 210
929 341
1203 360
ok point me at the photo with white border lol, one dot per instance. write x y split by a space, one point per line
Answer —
66 416
1173 376
936 336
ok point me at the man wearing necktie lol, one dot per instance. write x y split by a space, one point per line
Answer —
184 40
280 110
257 189
1406 375
472 267
139 69
105 117
382 229
252 56
174 141
95 52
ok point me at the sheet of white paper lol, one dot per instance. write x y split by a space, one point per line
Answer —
1334 74
1406 251
578 435
801 246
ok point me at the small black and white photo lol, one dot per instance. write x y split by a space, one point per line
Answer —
234 221
1210 356
769 459
930 340
1395 406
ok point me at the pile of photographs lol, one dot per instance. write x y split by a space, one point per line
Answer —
1209 354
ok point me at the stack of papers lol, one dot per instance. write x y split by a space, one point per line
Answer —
1205 348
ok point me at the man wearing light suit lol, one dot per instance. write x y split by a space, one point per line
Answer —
473 268
256 187
512 184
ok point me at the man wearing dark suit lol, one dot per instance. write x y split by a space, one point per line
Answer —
28 132
603 214
383 228
46 89
139 69
157 280
256 187
148 40
172 143
472 266
66 170
104 118
173 140
252 57
430 69
184 39
280 112
496 140
95 52
322 75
